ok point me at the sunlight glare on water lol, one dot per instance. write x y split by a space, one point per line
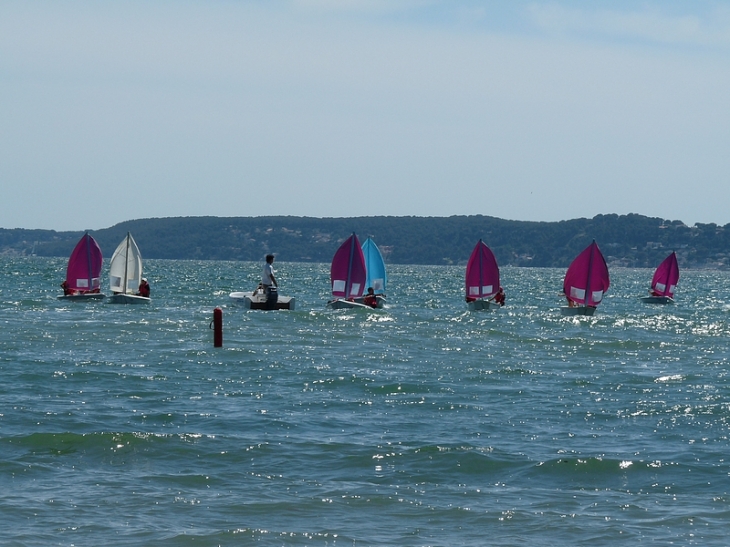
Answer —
418 424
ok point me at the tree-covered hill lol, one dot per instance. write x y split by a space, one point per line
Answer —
627 240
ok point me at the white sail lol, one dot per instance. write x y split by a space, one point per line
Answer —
125 271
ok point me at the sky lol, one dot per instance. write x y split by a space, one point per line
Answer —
523 110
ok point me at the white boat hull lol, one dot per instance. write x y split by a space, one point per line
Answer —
657 300
128 299
86 297
577 310
481 304
251 301
341 304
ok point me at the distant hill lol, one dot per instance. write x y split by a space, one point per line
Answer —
626 240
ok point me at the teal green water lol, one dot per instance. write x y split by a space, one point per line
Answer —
419 424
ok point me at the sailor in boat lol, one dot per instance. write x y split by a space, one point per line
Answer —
370 299
66 290
144 288
269 283
499 297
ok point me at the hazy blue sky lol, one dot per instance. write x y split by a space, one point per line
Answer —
112 111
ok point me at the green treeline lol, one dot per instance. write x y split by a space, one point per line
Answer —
627 240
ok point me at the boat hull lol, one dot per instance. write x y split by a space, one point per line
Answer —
128 299
481 304
341 304
577 310
657 300
257 301
87 297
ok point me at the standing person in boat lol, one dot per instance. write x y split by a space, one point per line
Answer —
269 283
144 288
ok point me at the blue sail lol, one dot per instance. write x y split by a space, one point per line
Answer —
376 276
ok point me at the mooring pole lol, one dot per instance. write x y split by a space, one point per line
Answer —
218 328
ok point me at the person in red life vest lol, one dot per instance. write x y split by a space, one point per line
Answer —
370 299
499 297
144 288
66 290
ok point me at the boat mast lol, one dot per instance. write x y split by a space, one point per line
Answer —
366 255
126 264
349 266
588 276
481 274
665 279
672 264
88 260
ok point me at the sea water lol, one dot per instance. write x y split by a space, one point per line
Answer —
418 424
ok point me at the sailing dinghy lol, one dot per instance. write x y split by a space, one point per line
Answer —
83 280
125 273
348 275
258 300
376 276
664 282
482 279
586 281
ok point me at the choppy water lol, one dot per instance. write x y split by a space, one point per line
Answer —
420 424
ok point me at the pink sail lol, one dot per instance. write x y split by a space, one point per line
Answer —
348 272
84 266
665 279
482 273
587 278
